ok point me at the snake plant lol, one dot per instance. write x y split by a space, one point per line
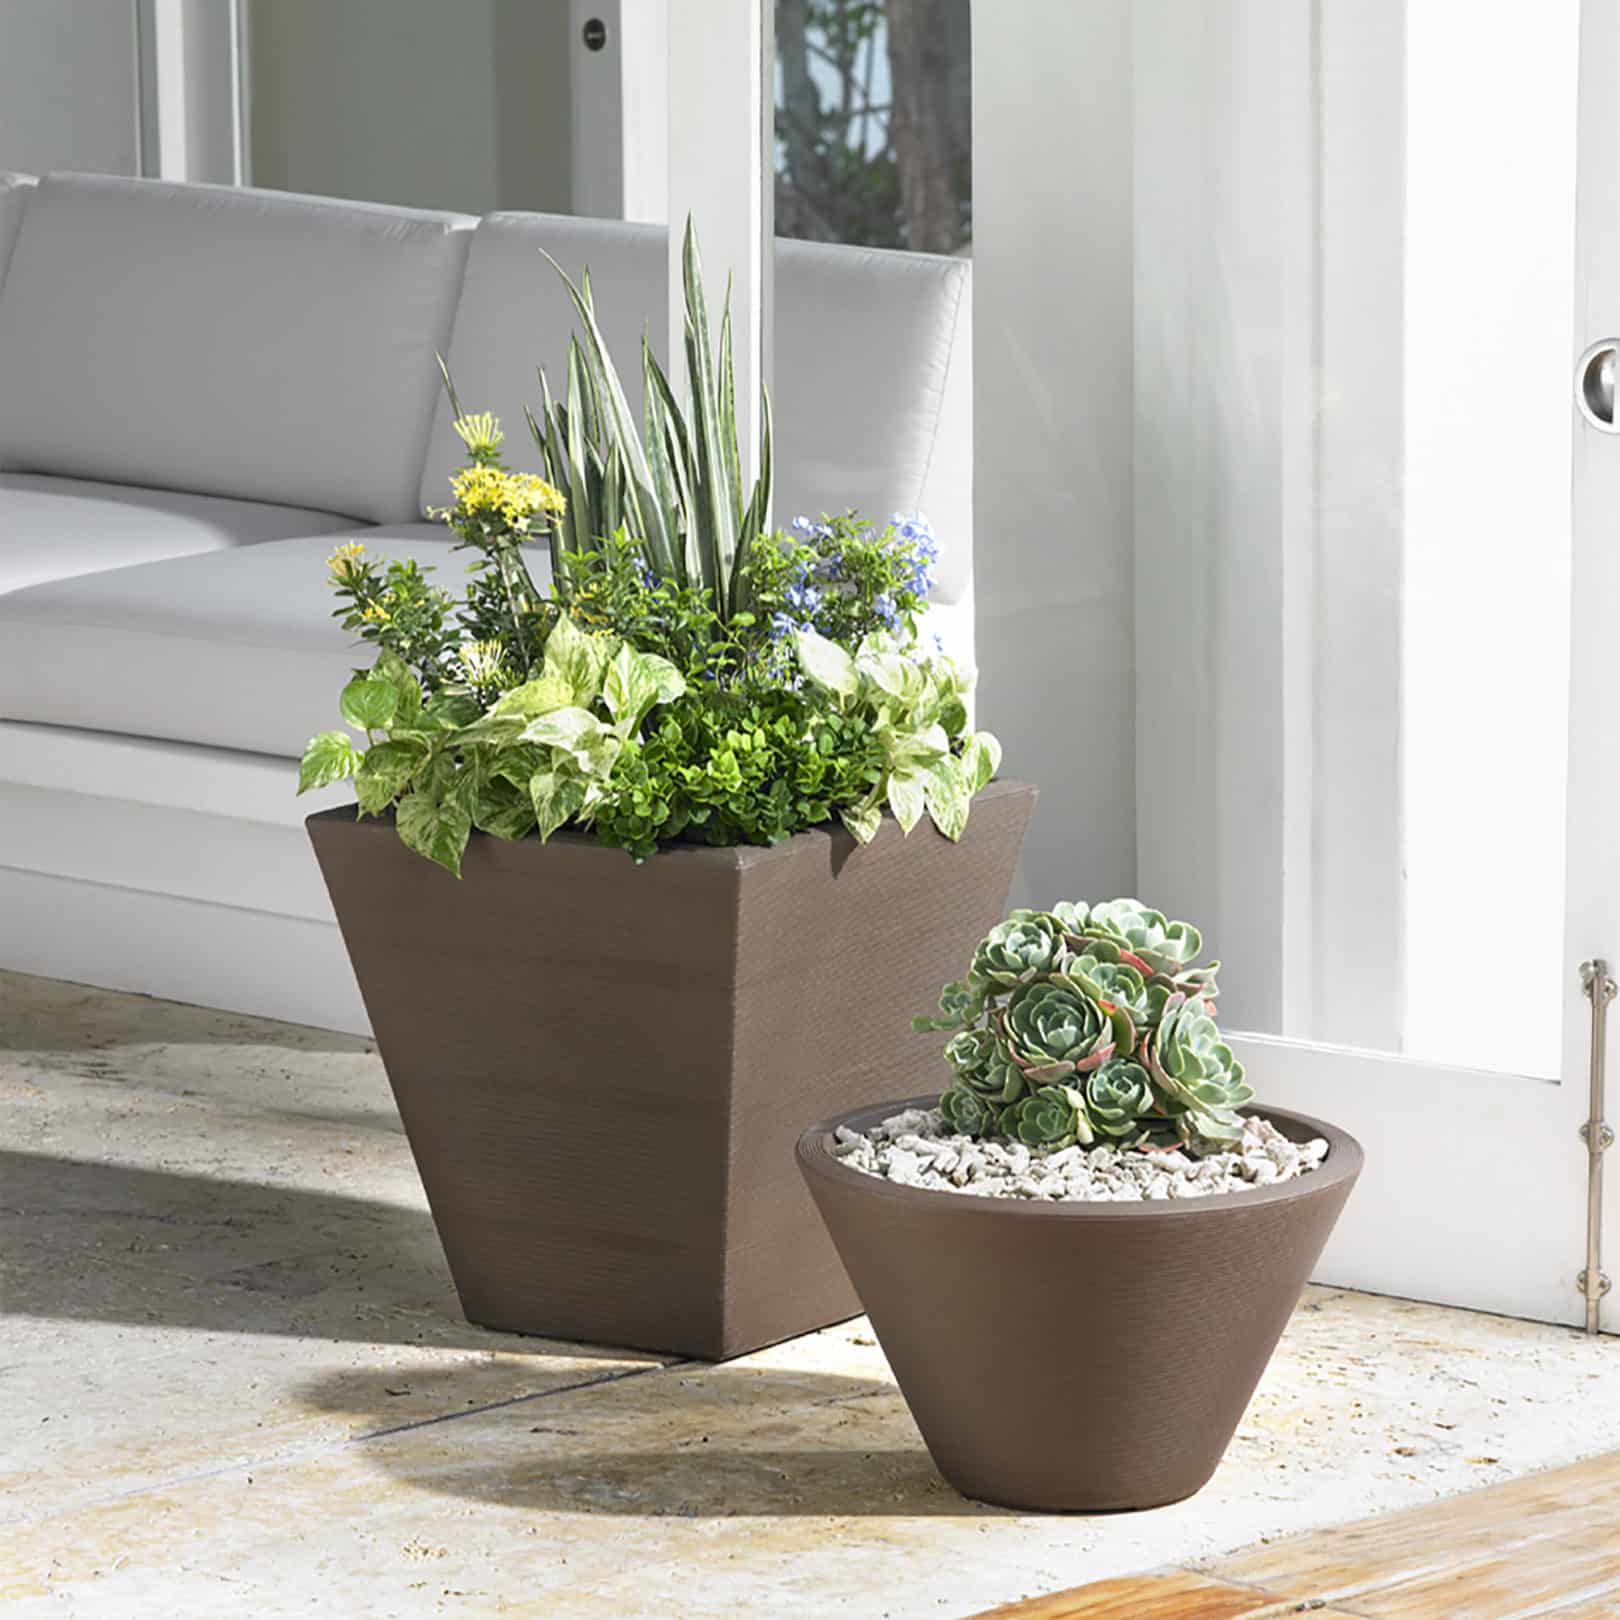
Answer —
672 481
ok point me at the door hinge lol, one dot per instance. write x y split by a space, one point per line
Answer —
1598 1137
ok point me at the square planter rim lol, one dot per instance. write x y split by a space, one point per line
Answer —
736 856
1343 1163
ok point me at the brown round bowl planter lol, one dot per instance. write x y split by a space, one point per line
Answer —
603 1067
1081 1357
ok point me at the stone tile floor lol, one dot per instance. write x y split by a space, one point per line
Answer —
234 1380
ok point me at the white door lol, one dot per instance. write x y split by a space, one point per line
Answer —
1378 594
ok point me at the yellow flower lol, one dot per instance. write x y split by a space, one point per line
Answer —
516 497
484 662
480 433
346 562
374 613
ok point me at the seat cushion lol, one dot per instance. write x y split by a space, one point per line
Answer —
872 400
238 649
56 528
14 190
227 342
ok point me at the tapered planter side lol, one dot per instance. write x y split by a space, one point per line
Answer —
1078 1356
602 1068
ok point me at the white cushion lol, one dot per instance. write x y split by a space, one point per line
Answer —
56 528
228 342
872 400
14 190
239 649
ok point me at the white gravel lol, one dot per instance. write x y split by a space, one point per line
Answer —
913 1149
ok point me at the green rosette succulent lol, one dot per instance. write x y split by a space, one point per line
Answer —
1090 941
967 1113
970 1051
1027 942
1166 947
1054 1029
983 1064
1196 1072
960 1004
1090 1021
1052 1117
1106 978
1119 1096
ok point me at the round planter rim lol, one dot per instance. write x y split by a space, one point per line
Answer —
1343 1163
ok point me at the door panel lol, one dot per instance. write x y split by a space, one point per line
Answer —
1371 617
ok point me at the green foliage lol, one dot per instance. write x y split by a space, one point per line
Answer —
1087 1023
842 578
1053 1117
673 482
915 708
685 675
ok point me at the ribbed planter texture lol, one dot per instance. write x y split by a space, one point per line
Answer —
603 1067
1078 1356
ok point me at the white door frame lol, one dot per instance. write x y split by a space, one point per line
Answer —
674 116
722 174
619 109
191 90
1475 1190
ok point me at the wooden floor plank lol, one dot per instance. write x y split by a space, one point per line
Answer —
1545 1547
1513 1549
1602 1607
1173 1595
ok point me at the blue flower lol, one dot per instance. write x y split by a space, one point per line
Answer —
916 538
804 598
883 606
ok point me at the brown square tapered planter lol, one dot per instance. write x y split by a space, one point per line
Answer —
603 1068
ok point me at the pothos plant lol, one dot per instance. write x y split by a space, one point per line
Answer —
681 674
1089 1023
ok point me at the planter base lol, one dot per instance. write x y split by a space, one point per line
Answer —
602 1068
1078 1357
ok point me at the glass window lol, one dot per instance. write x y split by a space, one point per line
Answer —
874 123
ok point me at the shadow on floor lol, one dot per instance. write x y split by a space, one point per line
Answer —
685 1441
55 1015
110 1243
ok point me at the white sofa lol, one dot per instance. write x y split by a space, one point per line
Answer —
201 391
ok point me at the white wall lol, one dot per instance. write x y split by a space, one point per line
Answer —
415 102
68 86
1053 433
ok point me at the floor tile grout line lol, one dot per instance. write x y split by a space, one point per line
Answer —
517 1400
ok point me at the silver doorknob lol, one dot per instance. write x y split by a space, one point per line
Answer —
1594 387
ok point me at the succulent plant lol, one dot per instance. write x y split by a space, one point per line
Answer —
1027 942
1054 1029
959 1007
1052 1117
967 1113
1196 1072
1118 1095
1116 985
1164 945
971 1050
1086 1022
983 1066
